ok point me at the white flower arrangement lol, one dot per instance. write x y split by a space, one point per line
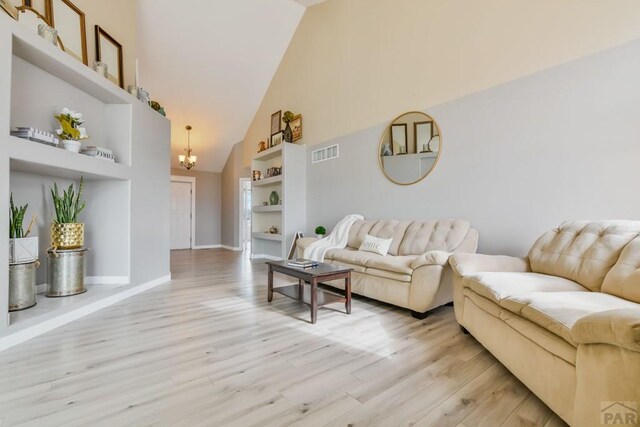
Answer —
70 125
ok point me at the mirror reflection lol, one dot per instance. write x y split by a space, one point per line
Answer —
410 148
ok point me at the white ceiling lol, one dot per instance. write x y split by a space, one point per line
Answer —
209 63
309 3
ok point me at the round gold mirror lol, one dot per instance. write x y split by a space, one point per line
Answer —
410 148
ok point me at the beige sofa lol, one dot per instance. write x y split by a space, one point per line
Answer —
415 274
565 320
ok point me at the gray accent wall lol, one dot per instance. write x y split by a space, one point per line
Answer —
231 174
208 205
517 160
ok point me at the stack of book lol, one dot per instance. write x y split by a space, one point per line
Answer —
98 152
303 263
36 135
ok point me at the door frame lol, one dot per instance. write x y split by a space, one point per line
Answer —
241 237
190 180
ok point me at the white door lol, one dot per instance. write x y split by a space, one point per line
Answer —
180 215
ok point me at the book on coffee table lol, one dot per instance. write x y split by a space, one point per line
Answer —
303 263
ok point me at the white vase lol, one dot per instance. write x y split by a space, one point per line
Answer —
70 145
320 236
23 250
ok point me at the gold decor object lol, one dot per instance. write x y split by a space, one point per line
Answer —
188 161
67 236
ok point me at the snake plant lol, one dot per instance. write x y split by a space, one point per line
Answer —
68 206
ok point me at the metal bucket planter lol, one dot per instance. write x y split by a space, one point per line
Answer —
65 272
22 285
67 236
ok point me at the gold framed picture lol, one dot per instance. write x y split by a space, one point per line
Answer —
9 8
109 51
296 127
276 122
69 21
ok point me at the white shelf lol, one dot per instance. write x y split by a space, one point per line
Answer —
268 181
268 236
270 153
34 49
264 209
32 157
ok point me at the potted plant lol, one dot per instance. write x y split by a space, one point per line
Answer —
22 248
287 117
320 232
23 260
70 130
66 232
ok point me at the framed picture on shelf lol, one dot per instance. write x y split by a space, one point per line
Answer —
277 138
296 127
43 7
276 122
69 21
9 8
399 138
109 51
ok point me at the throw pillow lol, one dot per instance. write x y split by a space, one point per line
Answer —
376 245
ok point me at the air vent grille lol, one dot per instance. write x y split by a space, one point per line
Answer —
326 153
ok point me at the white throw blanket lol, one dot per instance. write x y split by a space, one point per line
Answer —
337 239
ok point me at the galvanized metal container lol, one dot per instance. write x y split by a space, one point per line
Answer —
65 272
22 285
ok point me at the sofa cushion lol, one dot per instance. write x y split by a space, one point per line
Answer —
385 229
387 274
497 286
582 251
623 280
375 245
423 236
557 312
394 264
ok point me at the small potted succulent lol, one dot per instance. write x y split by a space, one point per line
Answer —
22 248
287 117
71 133
321 232
66 232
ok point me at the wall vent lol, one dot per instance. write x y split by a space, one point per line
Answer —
326 153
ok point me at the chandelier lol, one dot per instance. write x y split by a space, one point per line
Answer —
188 161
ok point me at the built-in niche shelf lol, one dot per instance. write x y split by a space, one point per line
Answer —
268 181
267 236
32 157
269 154
267 209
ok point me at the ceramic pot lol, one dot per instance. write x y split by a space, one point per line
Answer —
320 236
274 198
22 285
288 134
73 146
67 236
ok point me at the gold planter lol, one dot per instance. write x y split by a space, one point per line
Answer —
67 236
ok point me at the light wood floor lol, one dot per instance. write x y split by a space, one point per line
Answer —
208 350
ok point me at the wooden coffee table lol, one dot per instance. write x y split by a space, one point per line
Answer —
307 290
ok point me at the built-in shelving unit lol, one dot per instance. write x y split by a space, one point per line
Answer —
289 216
38 80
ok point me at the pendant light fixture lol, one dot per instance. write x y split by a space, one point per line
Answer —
188 161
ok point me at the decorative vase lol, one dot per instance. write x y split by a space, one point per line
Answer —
320 236
67 236
70 145
274 198
23 250
288 134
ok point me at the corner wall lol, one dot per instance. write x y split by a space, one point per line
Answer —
231 174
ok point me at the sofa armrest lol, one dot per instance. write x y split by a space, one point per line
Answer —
431 258
465 264
305 242
620 327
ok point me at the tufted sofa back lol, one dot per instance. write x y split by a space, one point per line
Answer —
623 280
582 251
412 237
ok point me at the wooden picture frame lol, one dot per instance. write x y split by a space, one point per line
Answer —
276 122
416 135
42 7
277 138
61 16
8 7
399 137
109 51
296 127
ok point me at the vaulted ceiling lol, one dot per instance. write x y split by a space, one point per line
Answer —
210 62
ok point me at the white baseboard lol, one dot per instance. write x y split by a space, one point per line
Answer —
61 320
231 248
263 256
199 247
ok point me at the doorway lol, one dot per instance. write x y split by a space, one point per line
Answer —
182 212
244 226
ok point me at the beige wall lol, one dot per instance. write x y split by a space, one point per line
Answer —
357 63
116 17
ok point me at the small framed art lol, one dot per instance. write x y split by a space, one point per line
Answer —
276 122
